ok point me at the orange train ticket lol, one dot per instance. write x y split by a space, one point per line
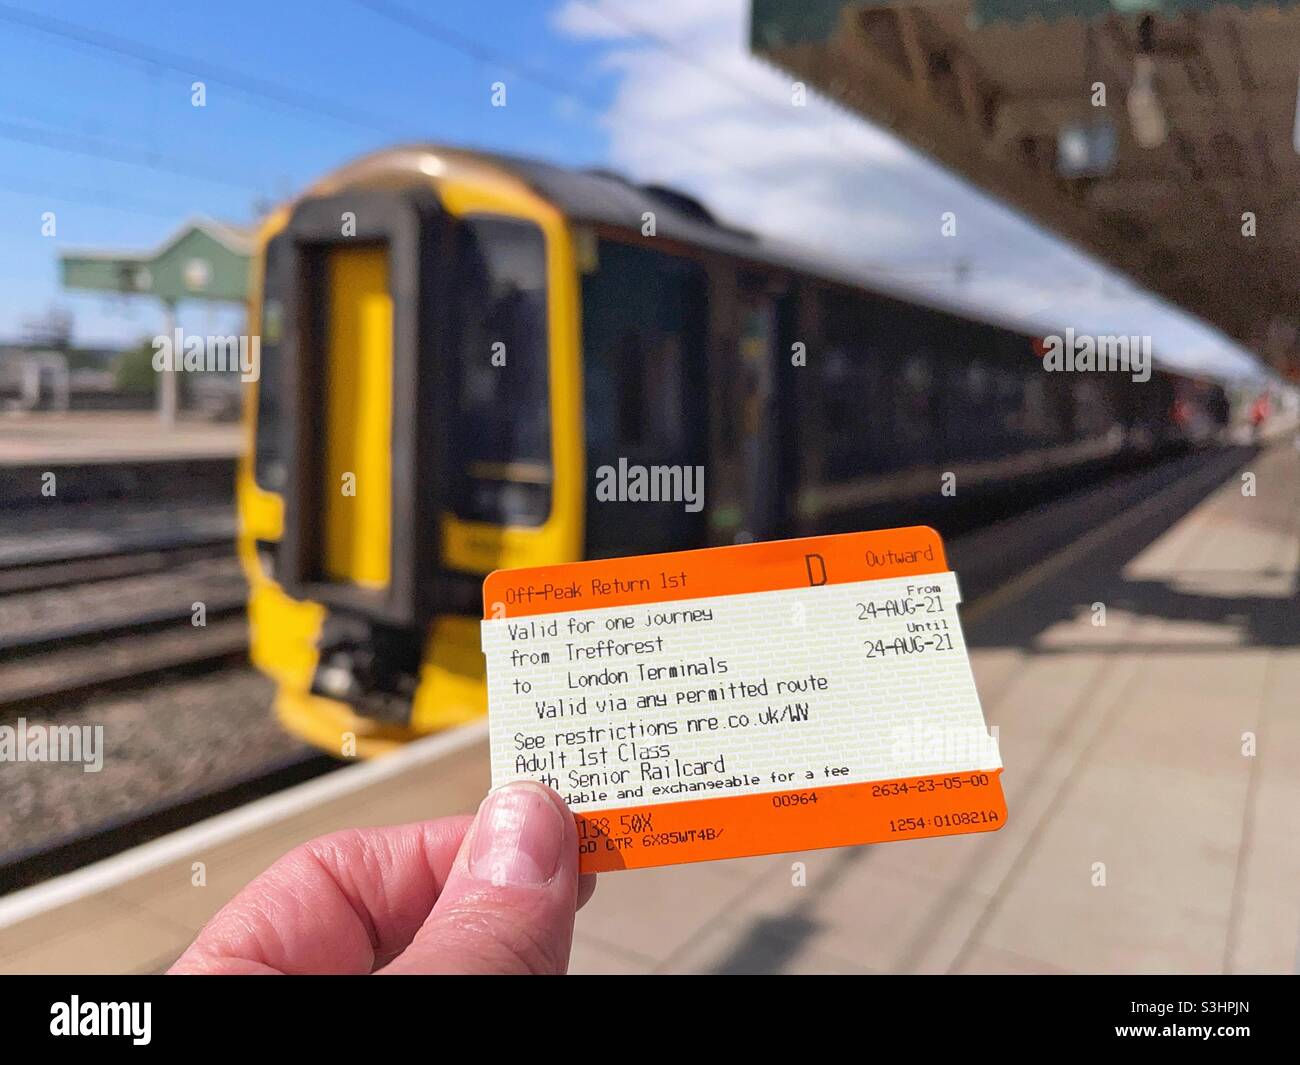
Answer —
743 700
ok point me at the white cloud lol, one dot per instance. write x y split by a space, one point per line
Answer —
706 116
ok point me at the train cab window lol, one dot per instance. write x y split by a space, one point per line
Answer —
644 321
269 469
501 434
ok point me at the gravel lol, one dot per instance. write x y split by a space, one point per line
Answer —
214 580
180 737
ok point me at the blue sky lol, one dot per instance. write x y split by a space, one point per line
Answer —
348 57
589 82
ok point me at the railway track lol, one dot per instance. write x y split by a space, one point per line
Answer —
97 630
65 638
92 658
63 569
83 544
32 865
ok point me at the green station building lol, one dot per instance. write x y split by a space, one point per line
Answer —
203 260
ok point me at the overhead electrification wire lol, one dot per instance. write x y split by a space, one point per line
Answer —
565 89
248 84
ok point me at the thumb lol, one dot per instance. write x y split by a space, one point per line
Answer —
509 902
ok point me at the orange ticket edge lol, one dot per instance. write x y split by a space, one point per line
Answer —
745 826
811 561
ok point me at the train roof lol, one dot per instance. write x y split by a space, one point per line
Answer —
604 197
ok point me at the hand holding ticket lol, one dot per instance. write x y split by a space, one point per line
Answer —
743 700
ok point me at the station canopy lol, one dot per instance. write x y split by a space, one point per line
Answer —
1181 171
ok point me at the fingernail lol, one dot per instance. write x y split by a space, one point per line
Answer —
517 837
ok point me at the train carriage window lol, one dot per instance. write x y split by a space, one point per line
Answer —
914 405
876 388
644 322
1009 390
1092 409
986 407
1038 422
501 437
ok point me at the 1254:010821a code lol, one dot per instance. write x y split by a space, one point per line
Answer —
957 820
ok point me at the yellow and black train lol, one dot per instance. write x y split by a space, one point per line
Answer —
467 359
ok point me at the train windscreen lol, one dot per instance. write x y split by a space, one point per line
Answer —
501 438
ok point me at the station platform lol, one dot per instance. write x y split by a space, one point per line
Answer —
30 438
1152 777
